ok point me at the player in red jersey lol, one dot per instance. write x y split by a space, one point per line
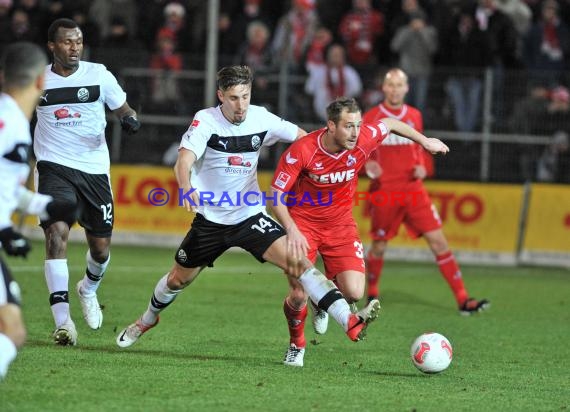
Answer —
398 167
319 174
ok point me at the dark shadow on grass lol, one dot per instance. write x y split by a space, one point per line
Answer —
147 352
398 374
397 296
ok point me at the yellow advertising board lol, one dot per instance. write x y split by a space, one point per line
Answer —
548 221
146 200
479 219
476 217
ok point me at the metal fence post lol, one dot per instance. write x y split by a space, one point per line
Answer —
116 139
211 53
283 89
487 122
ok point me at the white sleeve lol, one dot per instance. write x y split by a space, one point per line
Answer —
113 94
196 137
279 130
9 189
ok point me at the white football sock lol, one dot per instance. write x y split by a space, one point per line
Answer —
57 278
317 286
161 298
93 275
8 353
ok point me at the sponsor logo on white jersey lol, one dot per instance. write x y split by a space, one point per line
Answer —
66 113
255 142
237 160
223 143
82 94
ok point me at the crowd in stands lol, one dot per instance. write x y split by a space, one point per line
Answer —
339 46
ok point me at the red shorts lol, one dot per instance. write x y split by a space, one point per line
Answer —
338 244
389 209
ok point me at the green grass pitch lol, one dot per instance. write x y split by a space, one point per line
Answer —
219 346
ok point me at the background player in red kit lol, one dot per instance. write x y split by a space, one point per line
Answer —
398 166
320 172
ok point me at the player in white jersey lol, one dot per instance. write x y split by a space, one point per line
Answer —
73 167
221 149
22 65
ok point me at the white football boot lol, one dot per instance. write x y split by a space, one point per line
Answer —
91 309
294 356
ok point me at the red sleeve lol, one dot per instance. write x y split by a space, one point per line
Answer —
289 168
375 132
371 115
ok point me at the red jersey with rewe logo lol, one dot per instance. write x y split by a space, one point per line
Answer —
397 155
321 185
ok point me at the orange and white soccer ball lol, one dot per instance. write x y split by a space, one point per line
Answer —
431 353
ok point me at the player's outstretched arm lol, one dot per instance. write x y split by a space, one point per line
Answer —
432 145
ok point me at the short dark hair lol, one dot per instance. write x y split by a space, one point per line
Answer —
54 27
335 109
231 76
22 63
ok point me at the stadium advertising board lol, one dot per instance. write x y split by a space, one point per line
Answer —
481 222
547 236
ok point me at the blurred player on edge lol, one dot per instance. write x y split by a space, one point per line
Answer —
23 66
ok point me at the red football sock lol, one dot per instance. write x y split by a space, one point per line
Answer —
373 272
450 270
296 323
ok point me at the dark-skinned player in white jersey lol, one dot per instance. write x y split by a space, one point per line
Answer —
73 167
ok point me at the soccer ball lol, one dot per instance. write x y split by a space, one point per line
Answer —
431 353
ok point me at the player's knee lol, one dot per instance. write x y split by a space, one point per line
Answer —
297 297
175 282
297 302
438 244
99 254
353 294
179 278
12 324
377 249
19 336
